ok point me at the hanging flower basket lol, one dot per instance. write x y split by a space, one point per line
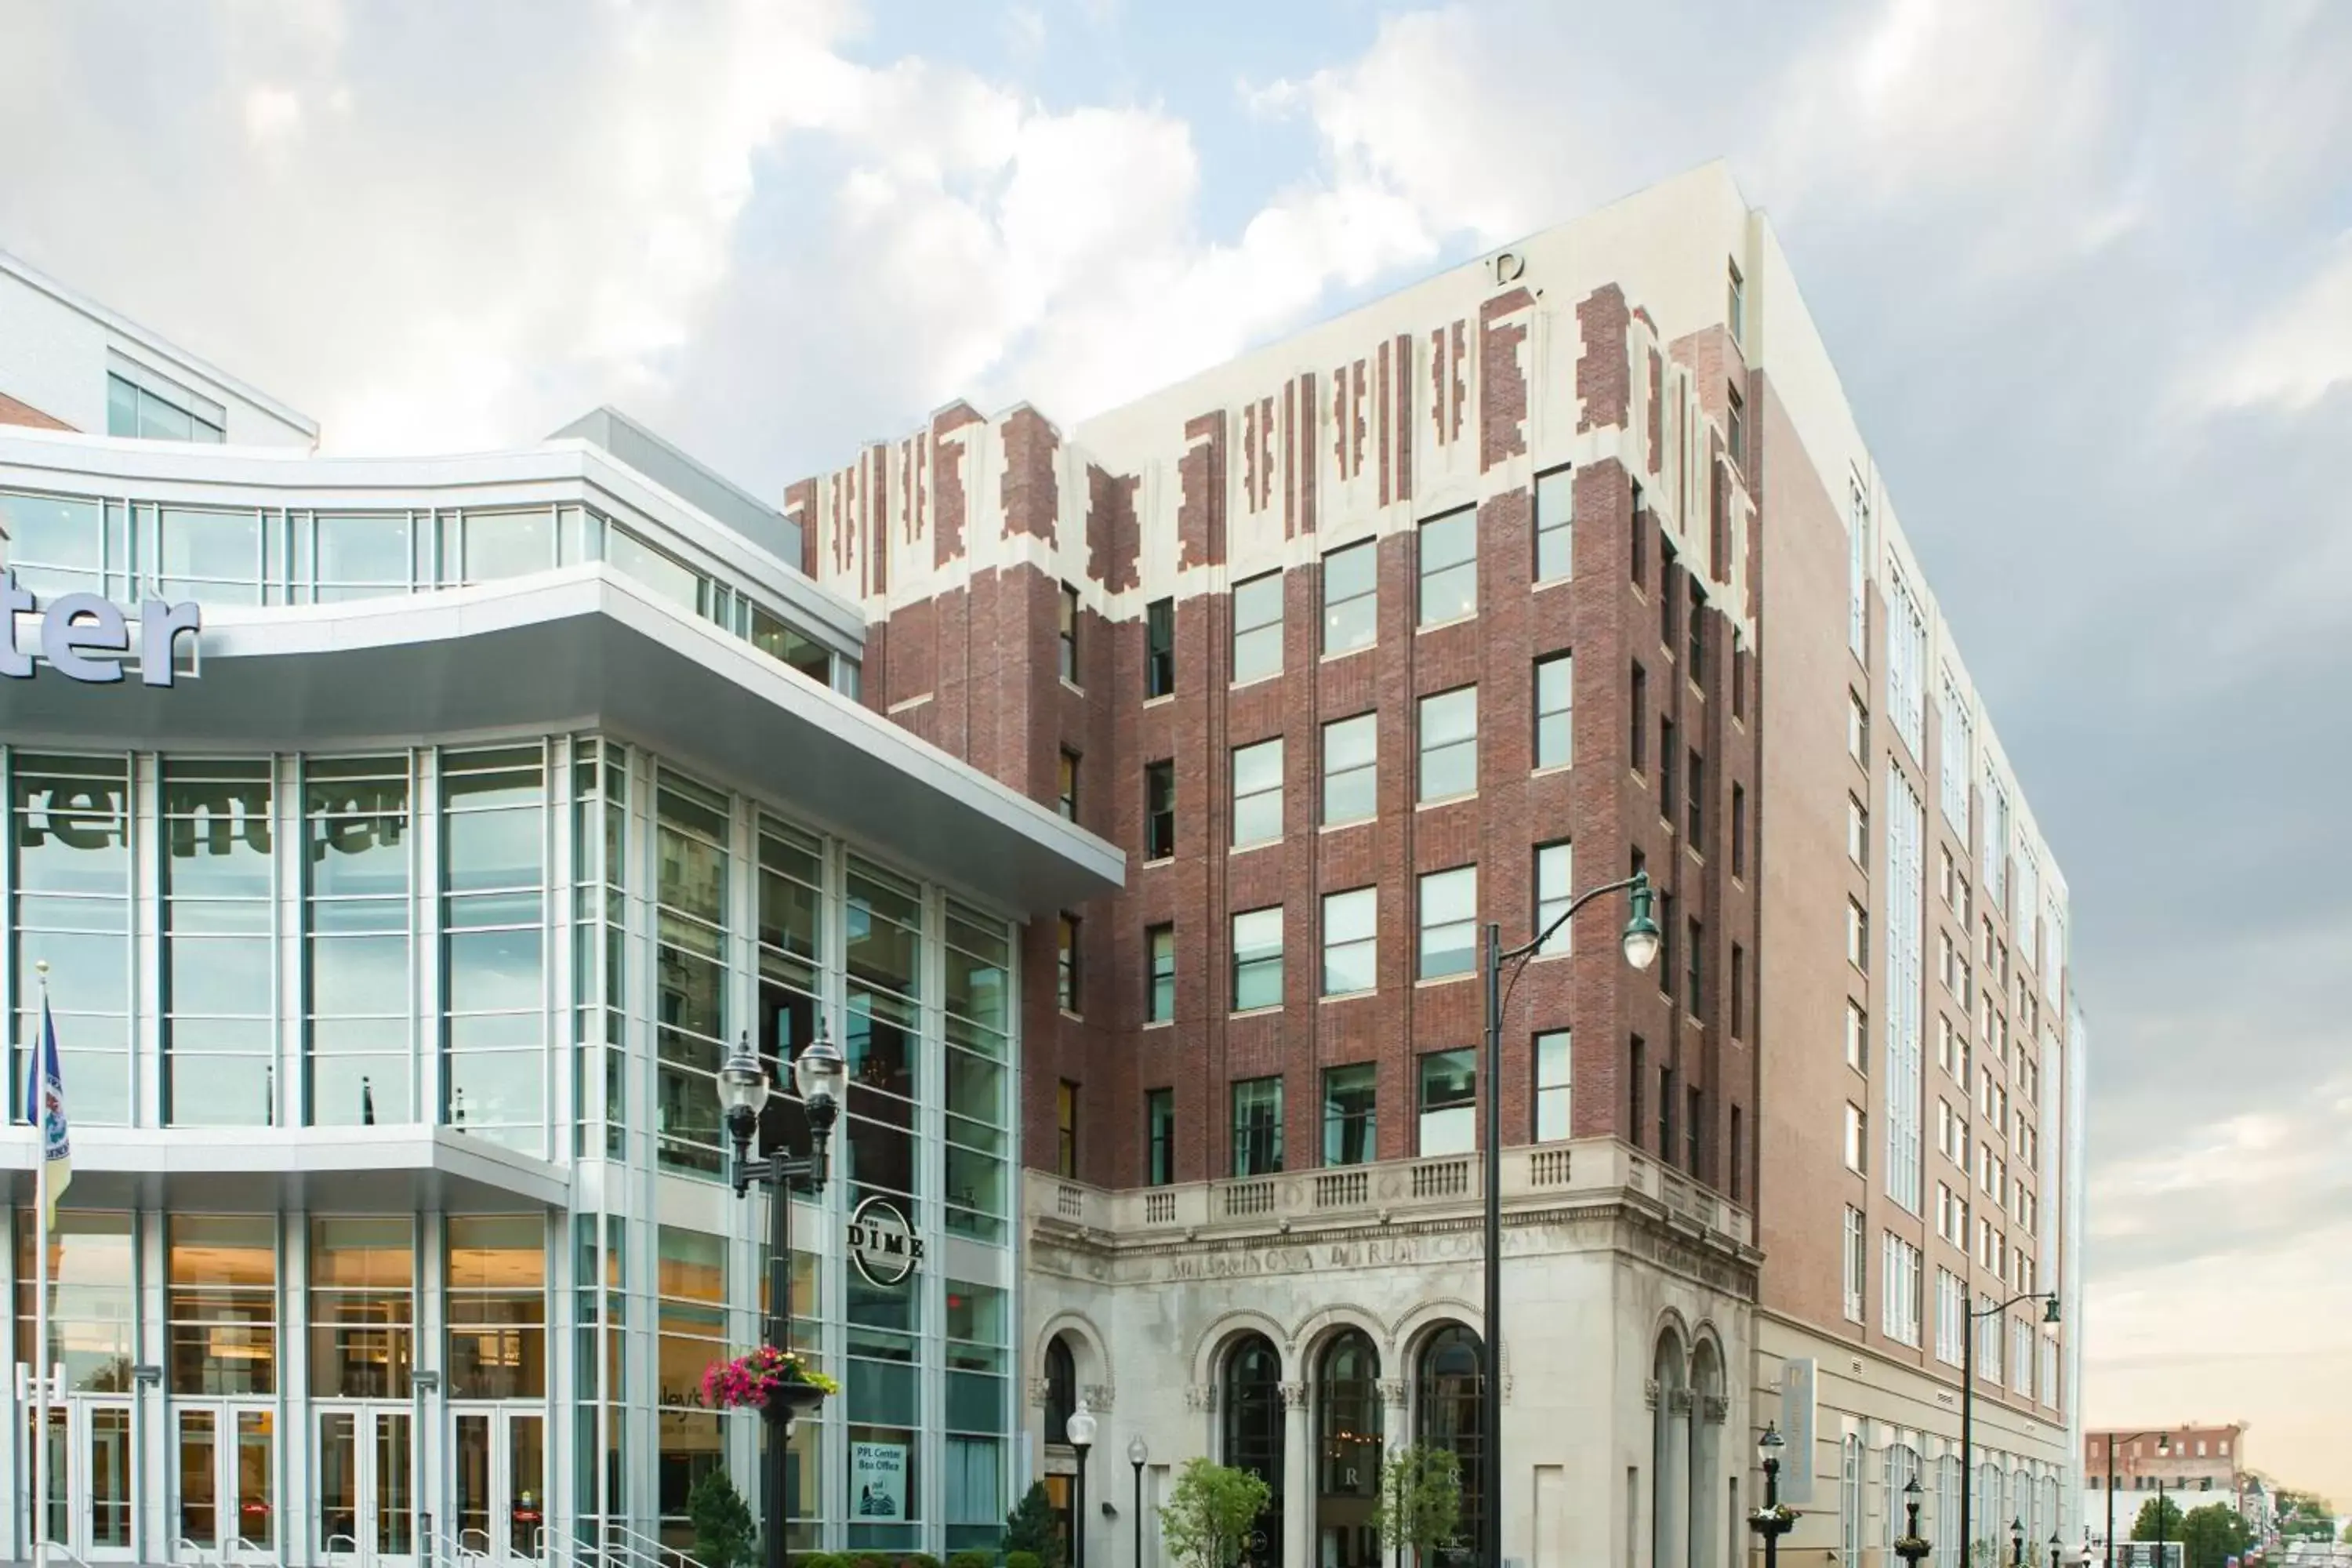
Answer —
766 1379
1780 1516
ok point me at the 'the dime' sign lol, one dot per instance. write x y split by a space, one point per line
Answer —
882 1244
85 637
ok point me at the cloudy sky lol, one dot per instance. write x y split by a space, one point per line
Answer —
2086 268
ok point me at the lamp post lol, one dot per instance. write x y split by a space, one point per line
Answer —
1769 1521
2017 1543
1913 1547
2054 1549
1081 1429
1137 1453
1969 1405
819 1074
1639 942
2159 1515
2163 1446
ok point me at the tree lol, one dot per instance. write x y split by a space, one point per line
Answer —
2213 1534
2159 1515
1210 1512
1421 1500
724 1535
2303 1516
1031 1527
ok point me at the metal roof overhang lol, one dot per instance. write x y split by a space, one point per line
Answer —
583 648
327 1170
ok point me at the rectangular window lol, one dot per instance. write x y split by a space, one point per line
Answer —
1449 567
1641 718
1738 990
1695 799
1258 1127
1351 789
1160 981
1351 952
1069 634
132 410
1554 710
1638 535
1735 309
1857 1140
1695 631
1694 1131
1855 1263
1735 425
1158 648
1257 959
1857 729
1352 597
1633 1090
1449 923
1666 1114
1555 865
1738 1157
1553 1089
1160 1137
1449 743
1958 729
1258 793
1351 1126
1900 1270
1669 754
1555 526
1696 947
1668 602
1857 577
1066 786
1066 1129
1857 832
1857 1036
1449 1110
1257 627
1906 665
1160 810
1067 977
1857 936
1738 831
1738 681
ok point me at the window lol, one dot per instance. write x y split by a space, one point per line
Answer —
1158 810
1738 681
1738 1156
1855 1263
1555 864
1449 743
1554 710
1857 575
1257 959
1634 1106
1665 966
1350 769
1449 567
132 410
1738 990
1696 946
1449 923
1694 1130
1857 936
1067 787
1351 957
1951 1317
1666 1113
1350 1124
1553 1093
1067 977
1160 980
1257 627
1857 832
1906 665
1639 534
1160 1137
1158 648
1258 1127
1640 709
1668 755
1735 425
1066 1129
1257 791
1694 632
1694 797
1555 526
1069 634
1738 831
1351 599
1667 603
1449 1095
1857 1139
1900 1286
1857 1036
1735 308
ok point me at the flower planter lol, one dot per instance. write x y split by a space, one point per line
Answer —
769 1380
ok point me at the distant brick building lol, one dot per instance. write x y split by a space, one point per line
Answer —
2195 1464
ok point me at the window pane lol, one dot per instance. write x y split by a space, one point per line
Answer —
1555 514
1449 916
1350 945
1257 627
1349 1125
1449 743
1552 1086
1350 774
1350 597
1257 958
1448 1103
1555 713
1449 566
1257 791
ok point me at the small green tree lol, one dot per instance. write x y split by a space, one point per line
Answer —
1031 1527
724 1533
1209 1513
1421 1501
2213 1534
2158 1513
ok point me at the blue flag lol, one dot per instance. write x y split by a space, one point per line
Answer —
44 1102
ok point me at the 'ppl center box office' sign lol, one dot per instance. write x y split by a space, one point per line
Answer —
85 637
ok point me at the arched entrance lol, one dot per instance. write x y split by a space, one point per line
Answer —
1449 1404
1252 1435
1346 1451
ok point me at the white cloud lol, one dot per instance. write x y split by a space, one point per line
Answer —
273 116
2295 355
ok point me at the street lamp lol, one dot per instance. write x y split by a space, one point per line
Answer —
2054 1549
1771 1522
1081 1430
2163 1446
1137 1453
819 1074
1639 942
1968 1403
1914 1546
2017 1543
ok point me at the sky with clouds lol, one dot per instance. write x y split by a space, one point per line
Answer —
2086 270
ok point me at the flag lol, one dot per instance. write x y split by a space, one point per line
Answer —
45 1099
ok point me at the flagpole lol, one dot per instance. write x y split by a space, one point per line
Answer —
35 1103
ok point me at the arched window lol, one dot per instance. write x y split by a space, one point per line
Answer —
1253 1403
1347 1451
1669 1501
1850 1502
1061 1389
1902 1469
1707 1541
1946 1532
1449 1407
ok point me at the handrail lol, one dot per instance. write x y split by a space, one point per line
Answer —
351 1543
661 1554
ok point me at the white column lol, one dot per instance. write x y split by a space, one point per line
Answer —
1297 1476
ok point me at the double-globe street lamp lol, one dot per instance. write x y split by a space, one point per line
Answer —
1968 1411
1639 942
819 1073
1769 1521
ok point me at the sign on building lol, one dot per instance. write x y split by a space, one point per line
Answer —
878 1482
85 637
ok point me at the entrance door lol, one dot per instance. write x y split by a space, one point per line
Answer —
90 1477
366 1476
501 1463
225 1480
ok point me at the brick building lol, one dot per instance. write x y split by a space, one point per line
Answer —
1567 561
2194 1464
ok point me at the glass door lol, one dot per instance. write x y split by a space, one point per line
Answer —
104 1442
501 1481
366 1477
224 1467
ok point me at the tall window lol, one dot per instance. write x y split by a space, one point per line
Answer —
1158 648
1857 832
1352 597
1160 1137
1857 934
222 1303
69 837
1857 729
1347 1425
1906 877
1069 634
1906 665
1555 525
1556 710
1855 1261
1669 756
1066 1129
1257 791
1899 1284
1258 1127
363 1312
1857 1036
1068 978
1735 308
1640 708
1738 1156
1695 634
1858 632
1738 831
1449 743
92 1308
1350 946
1735 425
1449 1115
1066 786
1257 627
1638 539
132 410
1553 1098
493 866
1555 864
1448 1410
1158 810
885 962
1958 738
1449 923
978 961
1254 1418
1160 981
219 968
1350 1124
1694 795
1257 959
1738 990
1351 770
1633 1082
1449 567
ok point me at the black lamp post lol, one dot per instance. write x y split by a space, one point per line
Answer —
1081 1429
2017 1543
1639 942
743 1089
1771 1522
2163 1446
1913 1547
2054 1549
1137 1453
1969 1406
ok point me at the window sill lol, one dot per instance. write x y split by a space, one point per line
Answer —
1160 700
1552 957
1445 800
1072 1017
1549 768
1347 995
1346 653
1073 687
1351 822
1251 847
1470 973
1445 625
1254 1012
1149 1024
1543 583
1254 680
1169 859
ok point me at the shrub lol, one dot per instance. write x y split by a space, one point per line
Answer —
1022 1560
972 1559
918 1560
724 1534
